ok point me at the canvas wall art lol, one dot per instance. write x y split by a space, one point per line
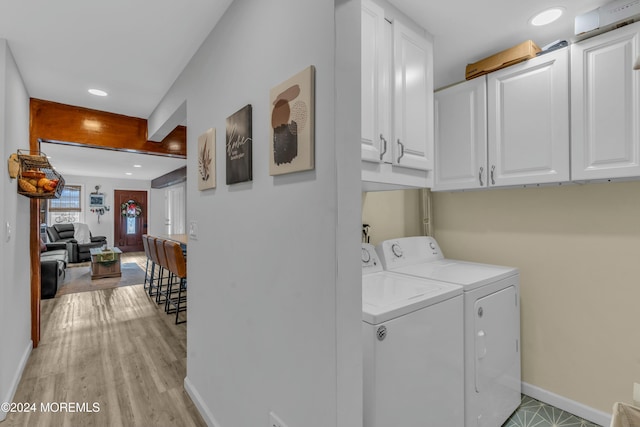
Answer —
292 124
239 146
207 160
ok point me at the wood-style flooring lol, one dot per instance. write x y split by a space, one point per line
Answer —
114 348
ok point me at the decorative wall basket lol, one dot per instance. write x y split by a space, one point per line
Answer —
37 178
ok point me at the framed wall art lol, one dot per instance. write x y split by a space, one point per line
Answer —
207 160
96 200
239 146
292 124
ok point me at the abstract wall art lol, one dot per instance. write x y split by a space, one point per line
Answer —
292 124
207 160
239 146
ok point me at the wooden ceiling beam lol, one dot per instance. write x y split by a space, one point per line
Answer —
52 121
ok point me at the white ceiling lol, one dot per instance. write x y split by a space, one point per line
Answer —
84 161
466 31
136 49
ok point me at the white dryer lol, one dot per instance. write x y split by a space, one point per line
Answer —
491 323
412 347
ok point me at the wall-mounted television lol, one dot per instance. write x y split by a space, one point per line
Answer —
96 200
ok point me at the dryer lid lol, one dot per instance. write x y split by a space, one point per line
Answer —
386 296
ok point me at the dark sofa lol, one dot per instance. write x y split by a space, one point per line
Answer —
53 262
78 252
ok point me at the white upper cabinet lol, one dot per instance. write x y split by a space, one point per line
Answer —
461 136
397 100
508 128
413 96
375 74
528 121
605 106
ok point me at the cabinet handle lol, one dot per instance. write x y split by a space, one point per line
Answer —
384 145
480 176
493 181
401 150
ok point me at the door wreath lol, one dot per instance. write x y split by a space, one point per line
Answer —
131 209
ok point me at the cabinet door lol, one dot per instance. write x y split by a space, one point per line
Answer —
413 63
605 106
461 136
528 121
375 82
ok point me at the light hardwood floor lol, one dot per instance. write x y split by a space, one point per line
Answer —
114 347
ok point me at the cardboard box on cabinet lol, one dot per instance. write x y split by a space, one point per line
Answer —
522 52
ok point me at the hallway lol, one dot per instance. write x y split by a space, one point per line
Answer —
114 356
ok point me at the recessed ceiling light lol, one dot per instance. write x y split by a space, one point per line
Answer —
137 166
128 173
547 16
97 92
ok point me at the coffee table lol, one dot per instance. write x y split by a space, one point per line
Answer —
105 263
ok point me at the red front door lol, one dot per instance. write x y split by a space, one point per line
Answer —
131 219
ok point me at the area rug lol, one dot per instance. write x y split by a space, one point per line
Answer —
79 279
79 264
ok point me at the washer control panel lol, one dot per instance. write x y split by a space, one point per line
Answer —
408 250
370 261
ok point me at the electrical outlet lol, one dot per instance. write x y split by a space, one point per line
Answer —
274 421
636 394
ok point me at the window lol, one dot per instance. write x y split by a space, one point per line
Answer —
68 208
69 200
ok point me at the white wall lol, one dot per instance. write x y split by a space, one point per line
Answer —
15 309
158 216
108 185
274 274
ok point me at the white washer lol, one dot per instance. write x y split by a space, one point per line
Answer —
412 347
491 323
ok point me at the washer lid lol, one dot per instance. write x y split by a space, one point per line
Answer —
469 275
386 296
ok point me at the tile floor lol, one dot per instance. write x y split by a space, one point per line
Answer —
533 413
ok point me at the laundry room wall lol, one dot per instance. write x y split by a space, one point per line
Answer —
274 302
392 214
15 294
578 250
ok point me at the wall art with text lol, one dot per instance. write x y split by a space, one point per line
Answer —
239 146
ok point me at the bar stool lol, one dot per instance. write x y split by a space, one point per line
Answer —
147 278
156 276
165 271
178 266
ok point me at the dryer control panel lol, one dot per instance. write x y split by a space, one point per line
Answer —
408 250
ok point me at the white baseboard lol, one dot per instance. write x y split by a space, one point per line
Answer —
202 407
568 405
8 397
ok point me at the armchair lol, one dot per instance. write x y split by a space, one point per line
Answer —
78 252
